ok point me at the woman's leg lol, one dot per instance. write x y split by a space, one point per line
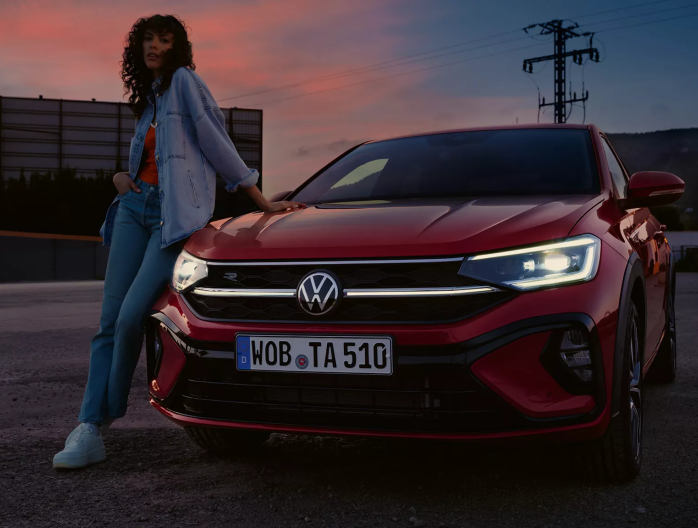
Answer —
152 278
129 242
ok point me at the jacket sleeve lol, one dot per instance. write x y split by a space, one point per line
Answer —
214 141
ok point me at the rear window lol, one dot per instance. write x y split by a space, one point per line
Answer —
468 164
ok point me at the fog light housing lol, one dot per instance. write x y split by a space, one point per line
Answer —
165 359
575 352
571 358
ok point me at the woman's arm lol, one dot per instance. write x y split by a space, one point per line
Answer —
209 123
267 206
217 146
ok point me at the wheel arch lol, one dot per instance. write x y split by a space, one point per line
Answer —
633 288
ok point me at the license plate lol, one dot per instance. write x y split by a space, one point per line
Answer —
336 354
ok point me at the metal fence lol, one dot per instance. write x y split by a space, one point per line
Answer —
41 135
686 257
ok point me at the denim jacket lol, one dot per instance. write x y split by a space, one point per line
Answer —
191 146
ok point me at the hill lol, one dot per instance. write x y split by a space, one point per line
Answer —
674 151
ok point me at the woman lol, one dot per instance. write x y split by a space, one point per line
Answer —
167 194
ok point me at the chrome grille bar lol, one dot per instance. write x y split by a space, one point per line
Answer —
332 262
365 293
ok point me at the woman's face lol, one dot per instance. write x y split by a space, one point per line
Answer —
154 46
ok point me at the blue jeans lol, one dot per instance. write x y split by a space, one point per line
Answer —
137 273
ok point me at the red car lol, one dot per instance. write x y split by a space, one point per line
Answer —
478 284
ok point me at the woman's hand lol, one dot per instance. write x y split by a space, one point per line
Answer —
274 207
123 182
271 207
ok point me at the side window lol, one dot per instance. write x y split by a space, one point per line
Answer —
616 171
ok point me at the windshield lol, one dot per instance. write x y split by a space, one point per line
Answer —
468 164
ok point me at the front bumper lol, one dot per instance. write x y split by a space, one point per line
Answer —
447 382
435 392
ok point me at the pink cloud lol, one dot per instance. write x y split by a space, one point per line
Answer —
72 49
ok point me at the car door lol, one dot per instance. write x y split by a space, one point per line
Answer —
662 282
641 229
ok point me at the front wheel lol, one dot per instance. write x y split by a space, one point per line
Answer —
225 442
617 456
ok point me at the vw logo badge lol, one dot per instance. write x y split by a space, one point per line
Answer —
318 292
302 361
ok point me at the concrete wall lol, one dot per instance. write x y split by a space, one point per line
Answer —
38 257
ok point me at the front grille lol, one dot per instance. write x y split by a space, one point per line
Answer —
351 310
364 275
442 398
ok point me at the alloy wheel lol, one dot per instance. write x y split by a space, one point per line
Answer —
672 331
635 391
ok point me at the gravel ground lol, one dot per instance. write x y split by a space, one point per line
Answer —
155 476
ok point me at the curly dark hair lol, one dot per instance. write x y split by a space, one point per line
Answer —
136 75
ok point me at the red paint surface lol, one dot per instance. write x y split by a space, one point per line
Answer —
643 184
448 228
570 433
515 373
598 298
431 227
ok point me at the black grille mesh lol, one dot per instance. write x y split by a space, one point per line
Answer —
364 275
364 310
416 398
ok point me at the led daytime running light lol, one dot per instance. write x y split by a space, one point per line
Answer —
547 247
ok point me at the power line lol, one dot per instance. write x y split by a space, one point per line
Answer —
395 62
641 15
559 57
562 34
690 15
395 75
619 9
441 65
377 65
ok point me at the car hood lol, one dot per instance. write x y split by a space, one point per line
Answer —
397 228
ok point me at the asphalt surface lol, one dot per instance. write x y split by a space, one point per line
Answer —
155 476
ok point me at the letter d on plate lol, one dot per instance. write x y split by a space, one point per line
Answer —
243 352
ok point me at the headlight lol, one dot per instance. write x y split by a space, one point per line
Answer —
574 260
188 270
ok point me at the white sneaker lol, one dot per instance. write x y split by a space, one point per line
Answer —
82 448
102 429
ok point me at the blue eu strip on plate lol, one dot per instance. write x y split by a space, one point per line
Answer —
243 352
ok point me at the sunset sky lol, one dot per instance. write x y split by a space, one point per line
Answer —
647 81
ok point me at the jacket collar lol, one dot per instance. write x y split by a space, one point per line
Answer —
157 82
155 85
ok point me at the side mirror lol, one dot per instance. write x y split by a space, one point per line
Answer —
280 196
648 189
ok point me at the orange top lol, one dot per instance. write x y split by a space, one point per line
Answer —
149 169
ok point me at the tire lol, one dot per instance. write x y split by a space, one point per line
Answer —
663 369
617 456
226 443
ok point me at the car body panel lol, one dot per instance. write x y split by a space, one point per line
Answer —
567 433
394 229
515 373
634 254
